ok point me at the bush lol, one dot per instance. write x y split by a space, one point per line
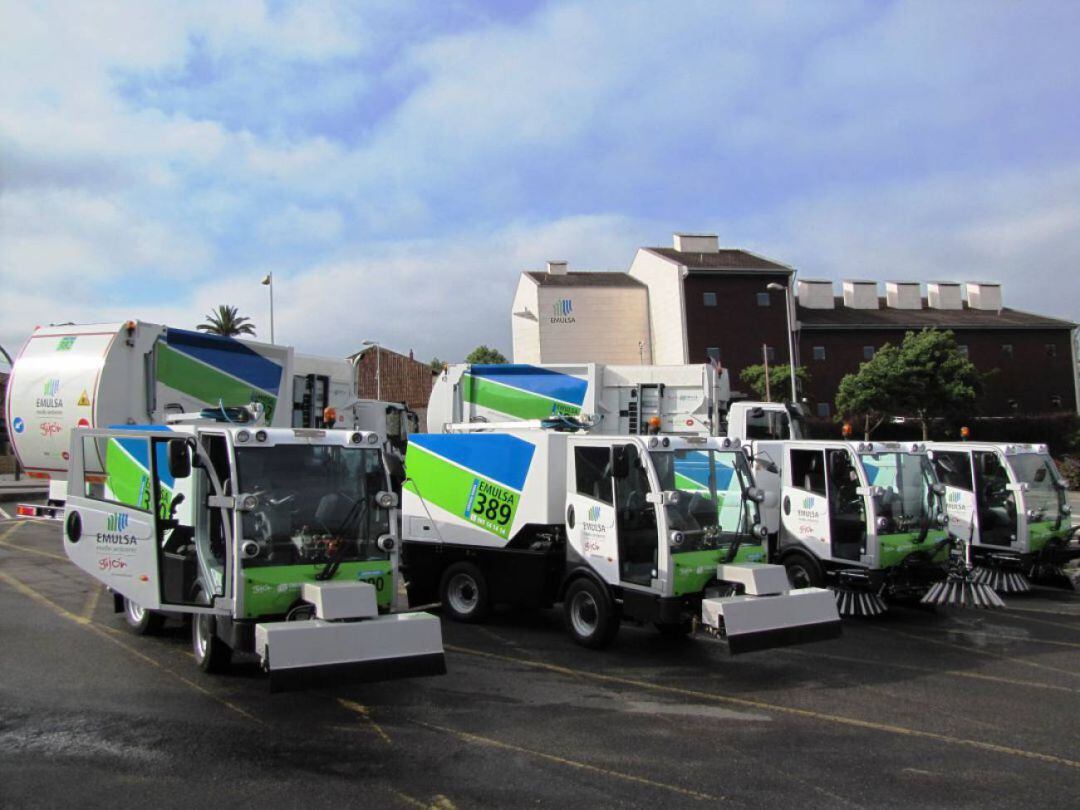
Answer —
1070 470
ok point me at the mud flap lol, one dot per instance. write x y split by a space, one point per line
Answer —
752 623
305 654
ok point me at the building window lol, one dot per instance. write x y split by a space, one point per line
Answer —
823 410
819 352
710 299
770 354
963 349
763 299
1055 401
1051 350
1006 350
713 353
867 352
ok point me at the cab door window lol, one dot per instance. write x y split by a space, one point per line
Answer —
953 469
996 504
592 473
635 519
808 471
847 509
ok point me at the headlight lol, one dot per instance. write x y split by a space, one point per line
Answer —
760 531
243 436
248 502
677 539
387 500
1066 510
942 519
882 524
653 442
249 549
385 543
356 438
260 435
373 438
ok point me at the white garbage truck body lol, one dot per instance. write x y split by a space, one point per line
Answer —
644 529
99 375
619 400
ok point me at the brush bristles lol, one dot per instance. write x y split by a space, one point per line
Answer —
958 592
1003 581
858 603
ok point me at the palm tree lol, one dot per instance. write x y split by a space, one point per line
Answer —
224 321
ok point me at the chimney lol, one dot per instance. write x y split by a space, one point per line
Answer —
944 295
697 242
815 293
984 295
557 268
903 295
859 294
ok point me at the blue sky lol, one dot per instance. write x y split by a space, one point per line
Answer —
397 165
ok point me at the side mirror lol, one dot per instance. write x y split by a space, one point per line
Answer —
938 488
179 459
620 462
769 467
755 494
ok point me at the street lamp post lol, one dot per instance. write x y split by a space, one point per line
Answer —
378 367
268 281
786 289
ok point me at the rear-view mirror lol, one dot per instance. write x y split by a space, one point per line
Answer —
179 459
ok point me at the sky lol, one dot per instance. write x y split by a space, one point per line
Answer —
397 165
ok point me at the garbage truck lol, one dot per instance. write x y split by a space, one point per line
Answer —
1010 503
640 529
134 372
618 400
865 519
276 541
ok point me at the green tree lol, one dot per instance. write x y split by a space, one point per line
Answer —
753 377
484 355
225 321
926 377
437 365
870 395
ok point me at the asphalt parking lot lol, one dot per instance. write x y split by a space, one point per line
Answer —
964 708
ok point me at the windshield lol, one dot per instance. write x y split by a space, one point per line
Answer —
711 502
316 503
905 499
1043 495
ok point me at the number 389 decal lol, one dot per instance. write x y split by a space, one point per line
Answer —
491 508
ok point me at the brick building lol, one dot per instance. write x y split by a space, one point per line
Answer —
392 377
702 302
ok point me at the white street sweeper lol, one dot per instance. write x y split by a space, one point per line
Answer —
277 541
866 519
1010 503
644 529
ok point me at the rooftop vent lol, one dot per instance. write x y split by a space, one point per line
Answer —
944 295
903 295
697 242
815 293
984 295
557 268
860 294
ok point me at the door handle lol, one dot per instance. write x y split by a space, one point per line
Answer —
787 504
570 516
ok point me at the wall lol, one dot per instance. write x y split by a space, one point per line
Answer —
525 330
736 325
666 316
603 325
1030 377
402 379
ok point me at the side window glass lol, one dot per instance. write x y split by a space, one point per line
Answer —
592 468
127 476
954 469
808 470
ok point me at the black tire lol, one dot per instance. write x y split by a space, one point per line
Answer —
463 592
589 614
212 655
674 629
142 622
804 571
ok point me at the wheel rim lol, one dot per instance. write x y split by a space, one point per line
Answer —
201 638
584 614
135 612
799 577
463 594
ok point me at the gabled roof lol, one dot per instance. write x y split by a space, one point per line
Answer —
885 317
584 279
724 259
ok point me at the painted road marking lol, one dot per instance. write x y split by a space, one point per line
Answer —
4 514
365 715
438 802
30 593
853 722
570 763
5 544
92 599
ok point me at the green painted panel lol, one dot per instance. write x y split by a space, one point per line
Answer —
512 401
272 590
895 547
206 384
128 482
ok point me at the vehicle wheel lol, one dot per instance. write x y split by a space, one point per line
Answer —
211 653
674 629
803 571
142 622
589 614
464 593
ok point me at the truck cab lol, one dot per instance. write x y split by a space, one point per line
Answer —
249 529
1010 503
865 518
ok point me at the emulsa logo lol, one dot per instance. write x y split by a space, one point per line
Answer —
49 395
563 311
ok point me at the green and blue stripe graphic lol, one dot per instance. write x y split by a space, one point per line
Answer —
523 391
